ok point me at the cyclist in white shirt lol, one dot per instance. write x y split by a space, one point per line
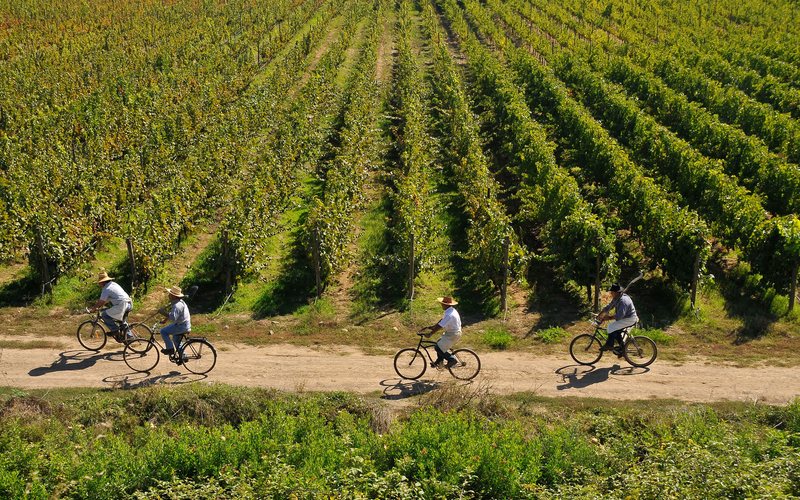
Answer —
181 320
121 303
451 324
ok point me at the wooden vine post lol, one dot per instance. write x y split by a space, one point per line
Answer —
226 258
695 278
317 265
793 289
597 284
411 258
44 271
504 285
131 261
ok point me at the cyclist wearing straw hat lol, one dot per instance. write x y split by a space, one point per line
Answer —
180 317
121 303
451 324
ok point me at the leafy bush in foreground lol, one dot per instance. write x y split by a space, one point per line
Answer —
223 442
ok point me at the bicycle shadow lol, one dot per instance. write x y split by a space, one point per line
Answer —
581 376
136 380
396 389
75 360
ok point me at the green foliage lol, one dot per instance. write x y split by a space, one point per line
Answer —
551 335
141 137
223 442
548 198
497 338
776 246
657 335
328 230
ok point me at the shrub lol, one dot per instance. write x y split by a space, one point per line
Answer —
657 335
551 335
497 338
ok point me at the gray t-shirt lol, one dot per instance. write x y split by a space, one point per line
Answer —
179 314
624 307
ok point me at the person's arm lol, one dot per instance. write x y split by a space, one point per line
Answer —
432 329
97 305
604 311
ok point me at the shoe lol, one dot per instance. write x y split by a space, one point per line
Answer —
438 365
605 348
617 351
451 364
168 351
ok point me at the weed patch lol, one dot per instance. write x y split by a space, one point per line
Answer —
497 338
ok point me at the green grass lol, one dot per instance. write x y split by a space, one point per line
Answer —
657 335
552 335
30 344
497 338
312 316
202 441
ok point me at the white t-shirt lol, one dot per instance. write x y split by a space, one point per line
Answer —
114 294
120 301
451 322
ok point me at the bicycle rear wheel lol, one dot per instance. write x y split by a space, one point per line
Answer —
585 349
91 335
199 356
141 355
468 366
410 363
640 351
138 331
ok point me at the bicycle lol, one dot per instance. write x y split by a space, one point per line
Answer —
410 363
196 354
638 350
93 333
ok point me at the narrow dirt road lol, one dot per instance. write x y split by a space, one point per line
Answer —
334 368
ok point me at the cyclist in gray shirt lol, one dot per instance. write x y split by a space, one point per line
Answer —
624 317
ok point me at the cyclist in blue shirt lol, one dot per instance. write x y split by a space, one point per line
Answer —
180 317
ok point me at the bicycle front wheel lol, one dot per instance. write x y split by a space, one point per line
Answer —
585 349
640 351
139 331
410 363
91 335
199 356
141 355
468 365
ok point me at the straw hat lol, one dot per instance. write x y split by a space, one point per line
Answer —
175 291
448 301
103 277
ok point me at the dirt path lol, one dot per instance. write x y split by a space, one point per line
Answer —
344 368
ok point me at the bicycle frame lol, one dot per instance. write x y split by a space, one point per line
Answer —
601 333
184 337
425 345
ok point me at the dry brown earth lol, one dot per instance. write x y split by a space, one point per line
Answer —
345 368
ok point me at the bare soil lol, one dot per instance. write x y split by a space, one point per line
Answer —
62 363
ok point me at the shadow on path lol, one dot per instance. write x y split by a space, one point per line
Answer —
136 380
580 376
395 389
74 360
